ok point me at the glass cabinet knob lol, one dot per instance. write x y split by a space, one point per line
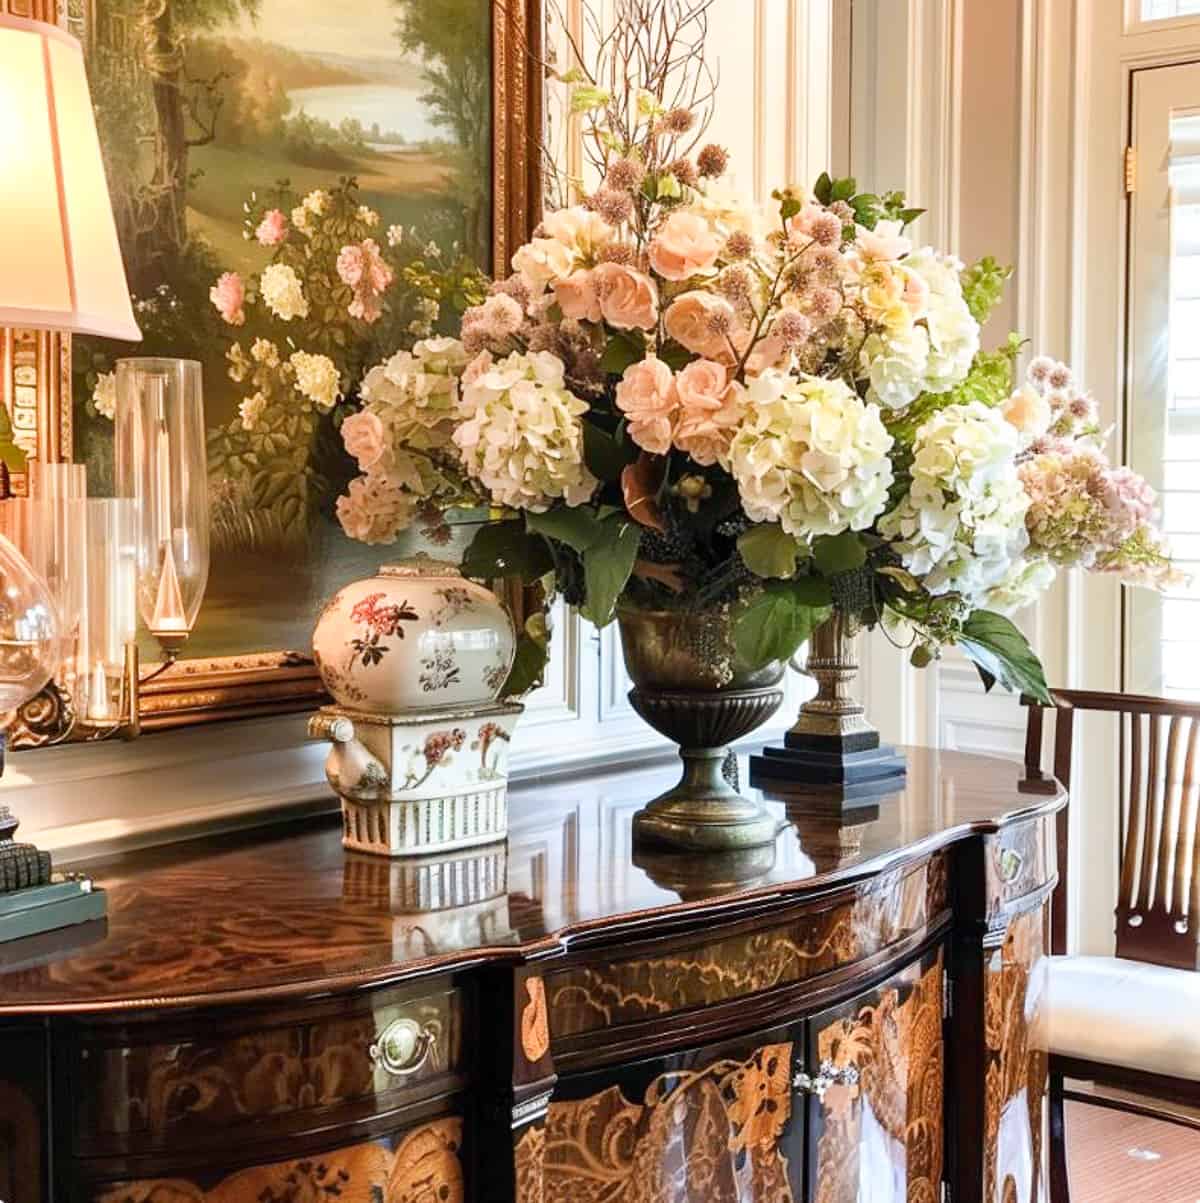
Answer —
827 1075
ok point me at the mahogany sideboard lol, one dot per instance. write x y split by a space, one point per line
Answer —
269 1019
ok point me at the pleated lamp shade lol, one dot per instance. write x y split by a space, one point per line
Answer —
60 262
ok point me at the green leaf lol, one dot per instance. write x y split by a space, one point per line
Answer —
844 189
774 624
823 188
506 549
768 550
607 567
604 455
839 553
622 351
578 526
675 357
812 591
529 664
983 287
1002 654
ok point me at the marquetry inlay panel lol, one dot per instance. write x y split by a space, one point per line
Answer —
422 1167
712 1133
1016 1063
157 1094
883 1137
898 904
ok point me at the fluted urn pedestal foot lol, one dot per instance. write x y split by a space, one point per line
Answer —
832 761
704 813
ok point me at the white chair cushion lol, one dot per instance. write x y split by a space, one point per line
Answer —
1124 1013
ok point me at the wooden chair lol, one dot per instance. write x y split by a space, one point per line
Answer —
1130 1024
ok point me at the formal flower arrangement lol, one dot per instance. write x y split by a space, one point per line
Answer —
679 399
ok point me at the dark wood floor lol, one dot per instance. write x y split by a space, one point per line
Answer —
1117 1158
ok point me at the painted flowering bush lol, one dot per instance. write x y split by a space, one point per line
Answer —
681 399
337 294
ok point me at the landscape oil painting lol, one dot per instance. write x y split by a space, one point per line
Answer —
223 123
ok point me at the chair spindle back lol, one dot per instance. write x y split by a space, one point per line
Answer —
1158 895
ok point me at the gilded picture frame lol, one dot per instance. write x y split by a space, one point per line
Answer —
36 373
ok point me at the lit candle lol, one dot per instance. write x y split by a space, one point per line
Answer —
169 615
99 709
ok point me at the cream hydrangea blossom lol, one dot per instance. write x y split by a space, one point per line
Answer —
282 291
316 379
104 395
961 525
811 455
896 363
953 332
521 436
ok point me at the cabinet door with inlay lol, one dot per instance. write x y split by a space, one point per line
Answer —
876 1085
716 1124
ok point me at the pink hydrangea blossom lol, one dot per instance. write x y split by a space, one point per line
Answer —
228 294
362 267
272 230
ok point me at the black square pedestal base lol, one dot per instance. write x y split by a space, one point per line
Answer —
825 780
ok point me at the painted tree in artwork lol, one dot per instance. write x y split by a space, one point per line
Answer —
453 40
153 112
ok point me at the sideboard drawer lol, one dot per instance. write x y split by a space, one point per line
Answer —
1019 861
139 1090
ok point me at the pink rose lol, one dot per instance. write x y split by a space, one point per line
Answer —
916 294
647 397
363 268
711 408
228 294
364 438
576 296
628 298
684 245
703 324
272 230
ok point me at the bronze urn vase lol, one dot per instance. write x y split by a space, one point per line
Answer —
690 686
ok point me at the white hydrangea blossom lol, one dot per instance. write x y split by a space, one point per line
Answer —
521 434
415 393
896 364
961 526
316 379
1026 581
811 455
282 291
953 332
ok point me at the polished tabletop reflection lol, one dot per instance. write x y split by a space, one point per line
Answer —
283 909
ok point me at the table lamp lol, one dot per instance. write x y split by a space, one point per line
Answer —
60 269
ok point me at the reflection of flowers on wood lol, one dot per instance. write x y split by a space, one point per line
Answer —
439 669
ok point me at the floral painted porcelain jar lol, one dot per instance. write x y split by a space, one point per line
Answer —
415 659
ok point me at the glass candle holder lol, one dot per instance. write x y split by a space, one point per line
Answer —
29 634
49 529
161 465
111 612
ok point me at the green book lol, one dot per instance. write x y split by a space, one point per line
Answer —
78 904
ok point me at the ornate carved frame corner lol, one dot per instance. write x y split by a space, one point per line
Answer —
35 373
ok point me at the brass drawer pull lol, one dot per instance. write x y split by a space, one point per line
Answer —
1011 864
828 1075
403 1047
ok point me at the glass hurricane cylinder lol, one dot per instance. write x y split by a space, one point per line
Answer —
111 611
161 465
29 633
49 529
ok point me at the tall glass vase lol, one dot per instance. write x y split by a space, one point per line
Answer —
161 464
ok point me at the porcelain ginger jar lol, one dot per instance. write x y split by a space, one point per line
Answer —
415 658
